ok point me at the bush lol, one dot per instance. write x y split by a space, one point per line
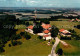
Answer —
39 37
27 23
76 37
65 38
60 51
1 49
72 31
52 42
9 45
27 37
18 37
22 33
78 26
14 43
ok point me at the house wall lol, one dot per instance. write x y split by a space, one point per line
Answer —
47 38
30 30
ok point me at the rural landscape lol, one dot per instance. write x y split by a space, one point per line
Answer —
39 31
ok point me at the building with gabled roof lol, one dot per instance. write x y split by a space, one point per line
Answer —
64 32
46 31
46 26
30 29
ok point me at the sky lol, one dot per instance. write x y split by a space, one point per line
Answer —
40 3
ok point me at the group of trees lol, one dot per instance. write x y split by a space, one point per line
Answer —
60 52
46 21
7 31
37 27
54 31
74 35
25 35
54 18
65 38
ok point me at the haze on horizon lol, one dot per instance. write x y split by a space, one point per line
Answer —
39 3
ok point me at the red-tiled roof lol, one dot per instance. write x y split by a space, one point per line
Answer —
46 31
65 31
61 30
30 27
45 35
77 19
46 26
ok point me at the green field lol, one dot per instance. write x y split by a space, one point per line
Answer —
74 44
66 25
32 47
36 47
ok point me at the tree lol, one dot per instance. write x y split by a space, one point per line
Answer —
22 33
72 31
37 29
27 23
9 45
18 36
14 43
54 32
27 37
1 49
60 51
39 37
46 21
78 26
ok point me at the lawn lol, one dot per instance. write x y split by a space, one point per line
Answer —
74 44
66 25
32 47
20 26
73 49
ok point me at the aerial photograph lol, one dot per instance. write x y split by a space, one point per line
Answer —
39 27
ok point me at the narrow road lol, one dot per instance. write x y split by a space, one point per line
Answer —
54 47
57 40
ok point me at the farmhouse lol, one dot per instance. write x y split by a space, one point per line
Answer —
46 26
64 32
75 20
46 31
30 28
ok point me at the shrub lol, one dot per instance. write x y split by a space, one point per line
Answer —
65 38
39 37
18 37
9 45
22 33
60 51
27 37
52 42
14 43
1 49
